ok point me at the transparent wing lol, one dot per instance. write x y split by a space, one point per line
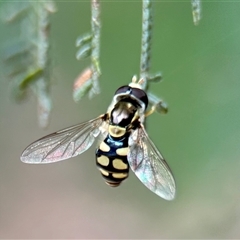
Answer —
63 144
149 165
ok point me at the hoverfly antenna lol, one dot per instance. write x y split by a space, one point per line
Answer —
134 79
137 84
141 81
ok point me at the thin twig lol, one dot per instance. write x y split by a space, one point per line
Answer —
89 46
43 61
196 11
147 27
95 22
147 22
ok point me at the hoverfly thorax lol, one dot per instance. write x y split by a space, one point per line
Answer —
122 114
121 117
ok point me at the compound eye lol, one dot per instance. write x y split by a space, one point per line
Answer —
140 94
124 89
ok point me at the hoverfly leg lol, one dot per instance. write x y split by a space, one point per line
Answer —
158 104
159 107
149 112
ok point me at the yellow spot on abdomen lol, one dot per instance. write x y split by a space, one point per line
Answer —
116 131
120 175
122 151
104 147
119 164
103 160
105 173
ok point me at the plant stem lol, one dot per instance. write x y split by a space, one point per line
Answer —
147 22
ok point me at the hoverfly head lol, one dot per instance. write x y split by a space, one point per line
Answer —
133 93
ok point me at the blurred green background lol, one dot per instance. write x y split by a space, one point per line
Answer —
199 137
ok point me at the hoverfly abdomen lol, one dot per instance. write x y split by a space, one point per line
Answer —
111 159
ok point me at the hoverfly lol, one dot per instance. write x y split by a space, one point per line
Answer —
123 142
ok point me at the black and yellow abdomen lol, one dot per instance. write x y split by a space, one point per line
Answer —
111 159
